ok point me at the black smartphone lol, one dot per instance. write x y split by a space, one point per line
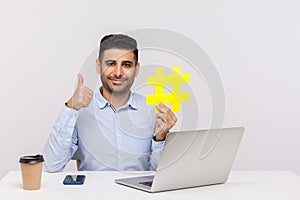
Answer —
74 180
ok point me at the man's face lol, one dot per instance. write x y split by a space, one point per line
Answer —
118 69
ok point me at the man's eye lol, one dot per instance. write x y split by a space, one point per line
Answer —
110 64
127 65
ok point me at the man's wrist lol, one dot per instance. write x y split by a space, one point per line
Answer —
69 104
157 139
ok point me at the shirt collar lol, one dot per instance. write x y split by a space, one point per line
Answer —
101 102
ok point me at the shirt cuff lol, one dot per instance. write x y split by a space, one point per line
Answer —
68 116
157 144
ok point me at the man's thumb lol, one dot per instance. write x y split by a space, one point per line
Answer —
80 80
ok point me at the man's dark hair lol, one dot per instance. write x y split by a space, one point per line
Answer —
118 41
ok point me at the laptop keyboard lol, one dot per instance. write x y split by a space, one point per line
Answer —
148 183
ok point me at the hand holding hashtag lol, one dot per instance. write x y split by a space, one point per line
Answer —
165 120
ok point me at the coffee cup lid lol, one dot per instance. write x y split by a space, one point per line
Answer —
32 159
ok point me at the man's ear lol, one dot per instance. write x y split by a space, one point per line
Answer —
137 69
98 66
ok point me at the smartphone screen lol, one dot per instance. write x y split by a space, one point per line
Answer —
74 180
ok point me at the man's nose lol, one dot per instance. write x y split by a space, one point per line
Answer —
118 71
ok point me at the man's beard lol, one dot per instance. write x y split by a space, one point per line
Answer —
117 90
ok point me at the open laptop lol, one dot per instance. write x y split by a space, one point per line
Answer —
191 159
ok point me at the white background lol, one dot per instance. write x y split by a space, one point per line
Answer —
254 44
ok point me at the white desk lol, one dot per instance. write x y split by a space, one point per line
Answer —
241 185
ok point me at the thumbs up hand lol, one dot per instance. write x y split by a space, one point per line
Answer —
82 96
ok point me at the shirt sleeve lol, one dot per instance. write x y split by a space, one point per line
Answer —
62 142
156 148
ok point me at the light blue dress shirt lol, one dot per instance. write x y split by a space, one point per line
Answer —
102 138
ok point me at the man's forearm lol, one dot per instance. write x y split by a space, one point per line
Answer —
62 142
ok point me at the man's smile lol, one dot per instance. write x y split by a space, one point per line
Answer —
117 81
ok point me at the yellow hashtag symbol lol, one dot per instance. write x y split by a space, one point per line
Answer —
175 79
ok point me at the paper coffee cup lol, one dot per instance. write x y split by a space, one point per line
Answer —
31 167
